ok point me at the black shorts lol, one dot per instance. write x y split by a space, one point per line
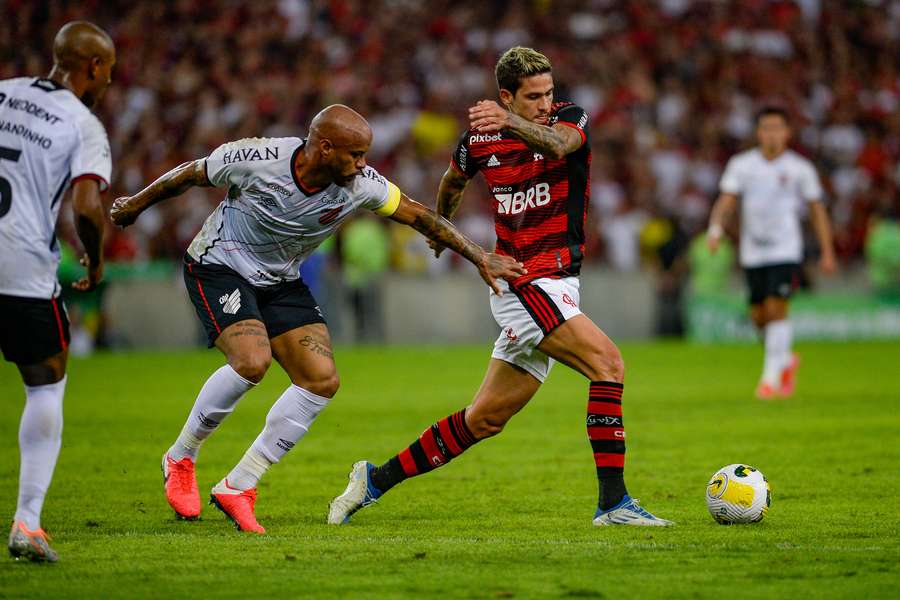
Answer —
32 329
772 281
222 297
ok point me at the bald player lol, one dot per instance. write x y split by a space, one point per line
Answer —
285 196
49 141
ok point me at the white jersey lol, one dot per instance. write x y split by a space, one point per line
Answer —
771 193
48 140
267 224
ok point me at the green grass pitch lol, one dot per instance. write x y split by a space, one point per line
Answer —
512 517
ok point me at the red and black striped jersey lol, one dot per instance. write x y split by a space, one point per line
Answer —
540 203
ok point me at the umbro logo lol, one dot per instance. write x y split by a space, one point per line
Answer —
492 161
231 303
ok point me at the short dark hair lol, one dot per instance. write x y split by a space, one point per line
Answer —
519 62
769 111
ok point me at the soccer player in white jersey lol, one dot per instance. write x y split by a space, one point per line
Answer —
285 197
49 141
772 183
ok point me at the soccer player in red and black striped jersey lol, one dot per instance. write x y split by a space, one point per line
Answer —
535 156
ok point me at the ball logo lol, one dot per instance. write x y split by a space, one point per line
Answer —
743 471
716 487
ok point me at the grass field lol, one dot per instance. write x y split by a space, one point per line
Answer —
512 518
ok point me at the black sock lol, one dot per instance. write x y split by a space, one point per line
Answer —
388 475
612 487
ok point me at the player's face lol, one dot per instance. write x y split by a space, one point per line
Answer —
101 72
773 133
347 162
533 100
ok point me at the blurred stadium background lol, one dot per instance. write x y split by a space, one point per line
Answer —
671 85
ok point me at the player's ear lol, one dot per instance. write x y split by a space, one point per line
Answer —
325 147
506 97
94 67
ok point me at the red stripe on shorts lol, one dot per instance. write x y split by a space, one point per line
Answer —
59 325
202 295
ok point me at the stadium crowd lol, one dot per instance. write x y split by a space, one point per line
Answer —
672 87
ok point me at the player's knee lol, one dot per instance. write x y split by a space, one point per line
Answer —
326 386
485 425
607 365
252 367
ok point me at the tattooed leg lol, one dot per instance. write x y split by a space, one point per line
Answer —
306 355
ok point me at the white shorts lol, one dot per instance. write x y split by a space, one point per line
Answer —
529 313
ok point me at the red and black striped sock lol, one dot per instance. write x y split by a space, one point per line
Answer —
438 445
607 436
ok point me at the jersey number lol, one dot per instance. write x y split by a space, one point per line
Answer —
5 187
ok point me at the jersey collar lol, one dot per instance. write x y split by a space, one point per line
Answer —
48 85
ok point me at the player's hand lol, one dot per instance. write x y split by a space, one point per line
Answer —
828 264
487 117
438 248
496 266
714 237
121 212
93 278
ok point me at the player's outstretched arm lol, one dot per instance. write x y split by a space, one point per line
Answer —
89 223
450 193
822 227
721 212
440 230
125 210
553 142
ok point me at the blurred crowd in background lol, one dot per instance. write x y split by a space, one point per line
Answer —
671 86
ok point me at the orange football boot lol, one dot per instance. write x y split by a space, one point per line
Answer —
30 544
181 487
789 377
237 506
765 391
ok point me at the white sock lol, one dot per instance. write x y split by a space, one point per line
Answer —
248 471
287 422
778 350
40 437
218 397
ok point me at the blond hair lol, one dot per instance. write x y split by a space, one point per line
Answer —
519 62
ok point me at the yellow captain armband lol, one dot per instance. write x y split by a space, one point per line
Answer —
393 201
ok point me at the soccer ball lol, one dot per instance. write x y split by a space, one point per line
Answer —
738 494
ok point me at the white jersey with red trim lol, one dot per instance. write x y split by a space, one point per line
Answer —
48 140
268 224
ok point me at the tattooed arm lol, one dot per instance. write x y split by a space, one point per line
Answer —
440 230
125 210
553 142
450 193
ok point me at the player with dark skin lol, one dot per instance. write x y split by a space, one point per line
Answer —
83 60
335 152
